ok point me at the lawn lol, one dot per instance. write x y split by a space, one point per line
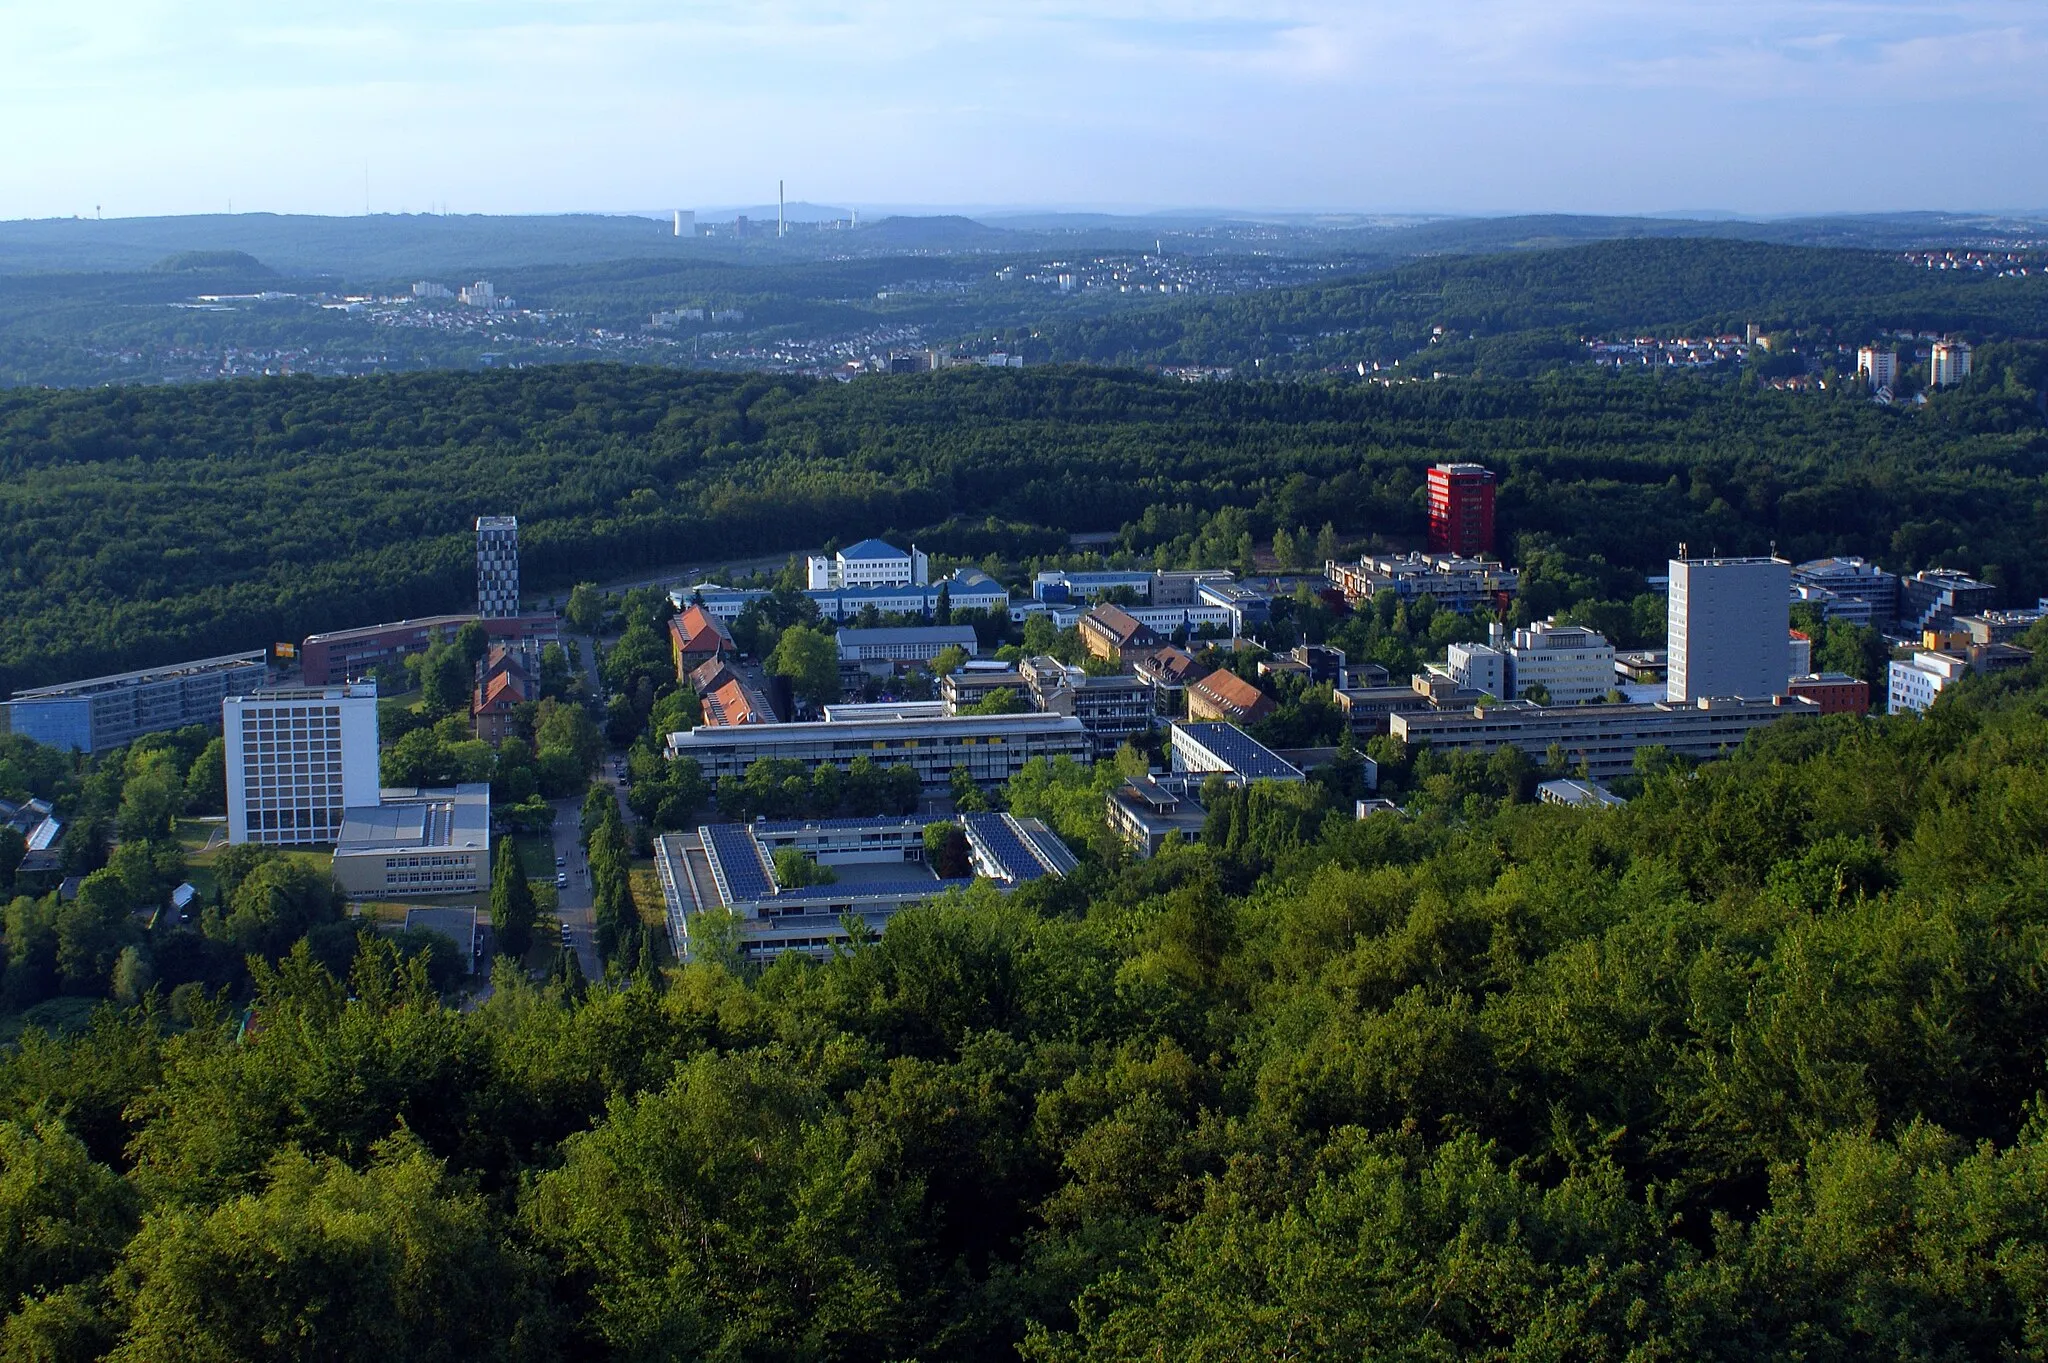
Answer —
537 856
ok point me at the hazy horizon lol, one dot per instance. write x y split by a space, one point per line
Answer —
1398 107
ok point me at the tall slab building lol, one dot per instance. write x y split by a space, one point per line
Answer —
497 566
297 758
1460 509
1728 628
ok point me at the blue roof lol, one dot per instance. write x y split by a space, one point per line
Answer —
1010 854
1246 756
873 549
873 889
739 858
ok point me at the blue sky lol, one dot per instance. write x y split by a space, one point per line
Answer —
519 106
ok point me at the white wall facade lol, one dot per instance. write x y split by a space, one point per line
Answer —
297 758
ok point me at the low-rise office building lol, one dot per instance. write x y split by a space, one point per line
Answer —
1934 598
1113 710
1579 794
1201 750
992 748
871 563
1836 693
1015 851
1455 583
1569 664
1998 627
909 644
1850 589
107 712
1242 606
1603 737
352 654
416 842
1916 681
973 682
1146 812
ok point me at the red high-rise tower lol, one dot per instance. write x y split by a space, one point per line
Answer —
1460 509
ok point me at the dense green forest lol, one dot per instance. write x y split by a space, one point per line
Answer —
143 526
1752 1069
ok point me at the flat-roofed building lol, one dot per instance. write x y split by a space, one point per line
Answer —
1201 749
1454 582
991 747
975 681
107 712
1998 627
1728 628
1932 599
1569 790
1949 364
1113 710
352 654
910 644
1836 693
1848 588
1604 737
1570 664
416 842
969 589
1916 681
879 864
297 758
1148 811
497 566
1461 508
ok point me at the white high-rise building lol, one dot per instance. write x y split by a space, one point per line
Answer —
298 757
1951 364
1879 368
497 566
1729 628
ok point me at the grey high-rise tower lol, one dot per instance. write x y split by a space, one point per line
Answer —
497 566
1728 628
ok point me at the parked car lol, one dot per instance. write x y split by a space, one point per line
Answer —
561 880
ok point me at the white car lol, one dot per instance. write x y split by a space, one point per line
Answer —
561 880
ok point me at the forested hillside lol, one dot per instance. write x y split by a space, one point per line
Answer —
1751 1070
147 525
1678 286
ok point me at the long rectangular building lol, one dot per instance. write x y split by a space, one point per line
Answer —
349 654
991 747
1604 737
106 712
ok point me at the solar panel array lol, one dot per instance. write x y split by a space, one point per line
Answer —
1246 756
739 857
1005 846
1051 851
874 889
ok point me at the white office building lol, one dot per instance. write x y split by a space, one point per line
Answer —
298 757
871 563
1603 737
1573 665
1729 628
1851 589
497 566
1479 667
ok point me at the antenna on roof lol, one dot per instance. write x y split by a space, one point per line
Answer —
1681 551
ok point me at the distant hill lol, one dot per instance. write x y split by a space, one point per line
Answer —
239 263
943 231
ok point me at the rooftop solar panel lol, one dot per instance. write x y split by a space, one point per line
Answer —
1245 755
1005 847
738 858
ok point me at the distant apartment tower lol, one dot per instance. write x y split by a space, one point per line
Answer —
1460 509
1728 628
298 757
1951 363
686 222
497 566
1879 368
